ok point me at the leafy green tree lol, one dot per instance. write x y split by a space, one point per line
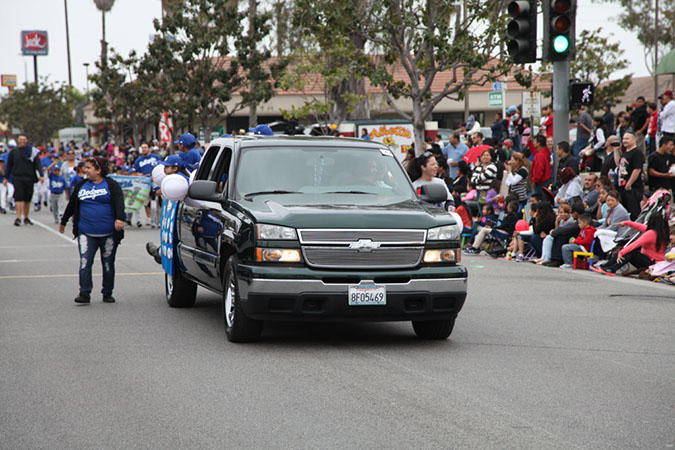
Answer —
335 35
124 95
40 109
639 16
424 38
597 59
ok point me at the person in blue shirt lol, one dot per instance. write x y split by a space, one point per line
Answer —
97 209
454 152
57 187
174 164
185 143
192 160
143 167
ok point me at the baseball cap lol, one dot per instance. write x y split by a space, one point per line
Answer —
608 104
187 140
173 160
262 130
56 167
126 167
668 93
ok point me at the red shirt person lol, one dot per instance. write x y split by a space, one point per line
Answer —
541 163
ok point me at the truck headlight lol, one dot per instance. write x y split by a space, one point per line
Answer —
444 233
277 255
450 255
275 232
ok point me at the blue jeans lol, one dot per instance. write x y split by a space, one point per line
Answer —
88 245
568 251
579 145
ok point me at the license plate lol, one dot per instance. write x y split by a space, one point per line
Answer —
367 294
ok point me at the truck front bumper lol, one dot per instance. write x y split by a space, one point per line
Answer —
422 294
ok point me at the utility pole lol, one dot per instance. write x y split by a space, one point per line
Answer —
561 109
656 48
86 71
70 76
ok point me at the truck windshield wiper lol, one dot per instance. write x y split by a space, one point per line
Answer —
251 194
350 192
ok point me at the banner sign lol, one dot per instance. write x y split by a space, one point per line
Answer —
167 246
8 80
34 42
532 104
136 190
165 128
398 137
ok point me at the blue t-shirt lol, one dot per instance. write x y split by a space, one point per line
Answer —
74 179
96 211
3 158
46 162
145 164
56 184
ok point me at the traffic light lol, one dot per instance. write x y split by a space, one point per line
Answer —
559 30
522 29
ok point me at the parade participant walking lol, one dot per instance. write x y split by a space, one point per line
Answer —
143 167
97 208
23 164
57 186
69 169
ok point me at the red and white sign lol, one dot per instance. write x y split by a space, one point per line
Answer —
34 42
165 128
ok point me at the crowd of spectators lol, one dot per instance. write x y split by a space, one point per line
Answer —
610 201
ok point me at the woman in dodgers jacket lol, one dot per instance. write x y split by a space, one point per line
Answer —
97 208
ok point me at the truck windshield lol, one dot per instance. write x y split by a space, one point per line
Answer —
330 172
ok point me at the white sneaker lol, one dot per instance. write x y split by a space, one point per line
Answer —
567 266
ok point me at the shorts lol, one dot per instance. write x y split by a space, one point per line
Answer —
23 190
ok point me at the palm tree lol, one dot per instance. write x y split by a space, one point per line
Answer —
104 6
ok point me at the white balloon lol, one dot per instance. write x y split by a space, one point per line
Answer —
174 187
158 174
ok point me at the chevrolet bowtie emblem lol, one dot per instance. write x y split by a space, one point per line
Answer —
364 245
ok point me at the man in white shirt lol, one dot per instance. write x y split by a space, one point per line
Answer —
667 114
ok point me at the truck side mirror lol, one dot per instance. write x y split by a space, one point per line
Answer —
433 193
205 190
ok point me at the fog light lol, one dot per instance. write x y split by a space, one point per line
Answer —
277 255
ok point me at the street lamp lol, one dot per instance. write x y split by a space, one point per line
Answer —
86 68
104 6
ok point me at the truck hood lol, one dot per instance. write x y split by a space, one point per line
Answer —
306 211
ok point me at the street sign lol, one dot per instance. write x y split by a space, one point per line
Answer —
8 81
34 42
581 94
532 104
497 86
494 98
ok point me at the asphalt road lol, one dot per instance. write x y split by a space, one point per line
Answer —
539 358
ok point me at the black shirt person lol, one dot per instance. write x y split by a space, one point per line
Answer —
658 165
23 163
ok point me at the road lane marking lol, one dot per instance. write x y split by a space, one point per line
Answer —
129 274
51 230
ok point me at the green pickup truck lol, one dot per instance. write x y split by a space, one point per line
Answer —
315 229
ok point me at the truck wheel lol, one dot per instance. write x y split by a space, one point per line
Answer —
238 327
180 292
433 329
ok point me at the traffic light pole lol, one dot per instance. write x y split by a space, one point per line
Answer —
561 109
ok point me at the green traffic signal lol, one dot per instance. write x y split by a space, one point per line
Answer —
561 44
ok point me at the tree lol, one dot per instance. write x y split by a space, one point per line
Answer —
124 94
40 109
597 59
336 33
639 16
421 39
201 57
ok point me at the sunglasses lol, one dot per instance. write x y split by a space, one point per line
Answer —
615 144
94 163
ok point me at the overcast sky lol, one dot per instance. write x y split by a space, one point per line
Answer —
129 26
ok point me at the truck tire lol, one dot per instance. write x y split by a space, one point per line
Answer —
238 327
180 292
433 329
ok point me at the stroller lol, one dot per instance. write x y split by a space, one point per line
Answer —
658 203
